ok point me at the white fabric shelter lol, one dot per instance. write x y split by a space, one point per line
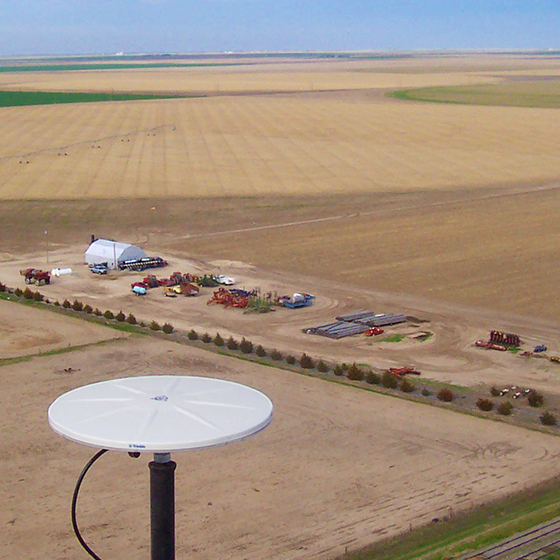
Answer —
105 250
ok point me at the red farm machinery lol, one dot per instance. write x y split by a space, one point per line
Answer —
230 298
500 341
36 276
402 371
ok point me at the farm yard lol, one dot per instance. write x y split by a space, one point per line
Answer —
448 354
293 177
460 467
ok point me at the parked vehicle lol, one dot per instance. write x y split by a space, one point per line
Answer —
99 268
374 331
207 281
171 291
225 280
296 301
406 370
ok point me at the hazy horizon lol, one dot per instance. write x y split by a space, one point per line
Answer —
77 27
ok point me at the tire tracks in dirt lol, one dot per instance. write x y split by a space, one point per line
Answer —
377 212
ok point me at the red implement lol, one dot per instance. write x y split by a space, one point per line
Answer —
374 331
399 372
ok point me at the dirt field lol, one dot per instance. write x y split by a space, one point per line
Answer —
24 332
333 471
445 213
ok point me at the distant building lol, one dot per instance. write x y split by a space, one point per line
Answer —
107 251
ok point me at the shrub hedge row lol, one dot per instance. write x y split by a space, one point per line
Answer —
78 306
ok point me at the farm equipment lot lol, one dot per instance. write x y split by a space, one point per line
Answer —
332 471
449 355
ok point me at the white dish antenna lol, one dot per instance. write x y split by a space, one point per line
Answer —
160 414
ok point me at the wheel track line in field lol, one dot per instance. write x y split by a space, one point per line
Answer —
203 130
243 148
107 150
227 157
126 147
517 192
262 139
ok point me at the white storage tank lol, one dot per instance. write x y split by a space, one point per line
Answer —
61 272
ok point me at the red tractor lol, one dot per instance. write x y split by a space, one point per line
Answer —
406 370
36 276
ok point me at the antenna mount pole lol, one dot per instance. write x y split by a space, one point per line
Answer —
162 506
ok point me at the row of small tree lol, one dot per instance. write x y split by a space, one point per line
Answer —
534 398
121 317
247 347
353 371
28 294
80 307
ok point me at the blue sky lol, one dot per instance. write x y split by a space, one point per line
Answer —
29 27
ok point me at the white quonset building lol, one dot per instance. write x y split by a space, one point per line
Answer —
107 251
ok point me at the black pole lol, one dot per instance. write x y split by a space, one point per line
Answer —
162 507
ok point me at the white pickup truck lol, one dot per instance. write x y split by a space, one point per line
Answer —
225 280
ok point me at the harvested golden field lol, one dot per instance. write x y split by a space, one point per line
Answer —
216 81
260 145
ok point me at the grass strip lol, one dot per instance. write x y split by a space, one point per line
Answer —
394 338
81 67
26 98
55 352
459 535
519 94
